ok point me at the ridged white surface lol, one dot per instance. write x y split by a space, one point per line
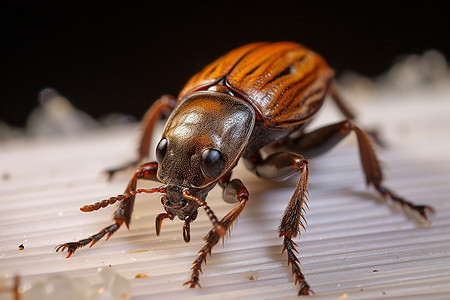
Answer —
355 247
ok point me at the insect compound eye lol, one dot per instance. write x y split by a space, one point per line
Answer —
212 162
161 150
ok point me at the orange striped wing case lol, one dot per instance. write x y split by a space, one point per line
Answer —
285 82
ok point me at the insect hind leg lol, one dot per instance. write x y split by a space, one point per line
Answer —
325 138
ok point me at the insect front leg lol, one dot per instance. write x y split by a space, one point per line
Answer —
280 166
162 106
234 192
121 215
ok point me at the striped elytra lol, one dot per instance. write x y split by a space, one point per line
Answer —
285 82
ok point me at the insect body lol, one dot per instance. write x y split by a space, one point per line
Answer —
253 103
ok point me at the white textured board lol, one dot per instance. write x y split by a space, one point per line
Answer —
355 246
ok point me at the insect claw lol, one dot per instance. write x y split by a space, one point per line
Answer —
63 247
192 284
424 210
305 290
430 209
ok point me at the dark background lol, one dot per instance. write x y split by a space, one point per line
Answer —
119 58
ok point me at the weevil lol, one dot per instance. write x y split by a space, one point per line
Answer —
253 103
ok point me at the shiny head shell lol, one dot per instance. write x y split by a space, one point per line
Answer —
203 139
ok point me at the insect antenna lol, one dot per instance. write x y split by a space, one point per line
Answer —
220 229
126 195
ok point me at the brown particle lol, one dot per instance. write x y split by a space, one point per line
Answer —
21 247
138 250
343 296
141 275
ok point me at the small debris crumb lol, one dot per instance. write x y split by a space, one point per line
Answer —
21 247
375 271
423 223
251 277
343 296
141 275
138 250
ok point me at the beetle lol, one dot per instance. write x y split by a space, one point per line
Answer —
253 103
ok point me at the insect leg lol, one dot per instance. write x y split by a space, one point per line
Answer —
323 139
374 175
121 215
164 105
280 166
349 115
340 103
234 191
